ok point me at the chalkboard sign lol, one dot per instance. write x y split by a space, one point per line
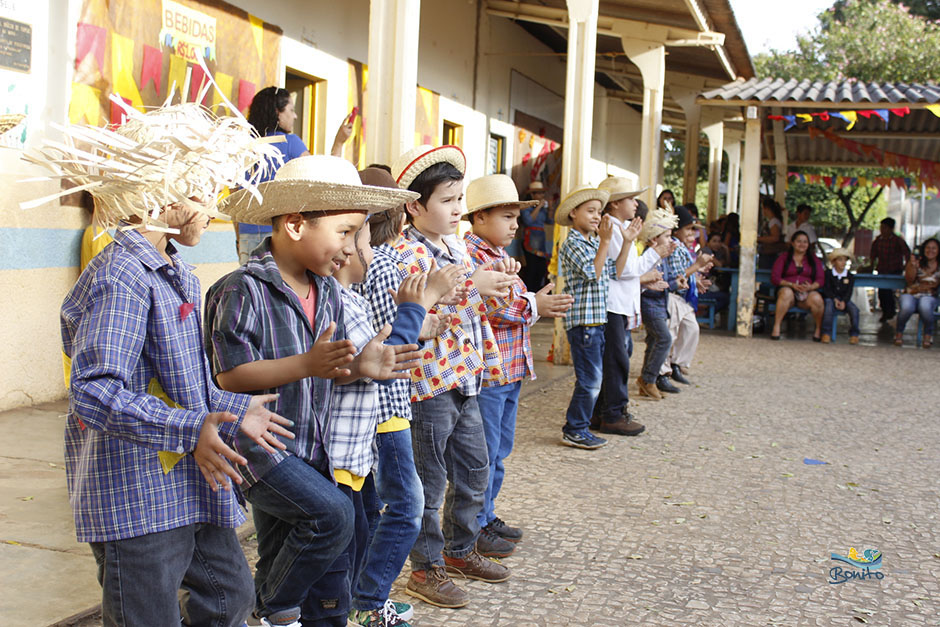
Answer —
16 45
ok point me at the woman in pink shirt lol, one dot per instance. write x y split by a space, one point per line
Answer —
798 275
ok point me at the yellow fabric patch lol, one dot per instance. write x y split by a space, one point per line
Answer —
393 424
168 459
347 478
66 369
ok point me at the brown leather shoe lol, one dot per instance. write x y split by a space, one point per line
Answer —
853 339
649 390
475 566
826 338
622 427
434 586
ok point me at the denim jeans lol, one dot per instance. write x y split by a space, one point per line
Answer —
141 577
398 486
304 523
246 243
618 348
830 313
498 406
924 304
450 455
329 598
587 356
658 343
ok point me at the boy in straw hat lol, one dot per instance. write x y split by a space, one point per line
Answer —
277 324
587 270
148 435
448 437
493 208
837 294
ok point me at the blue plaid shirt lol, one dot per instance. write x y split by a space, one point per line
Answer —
125 330
676 264
252 314
576 261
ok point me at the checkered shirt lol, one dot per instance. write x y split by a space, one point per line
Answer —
576 261
677 263
124 328
891 252
510 320
384 274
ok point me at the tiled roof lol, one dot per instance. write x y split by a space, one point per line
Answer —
787 92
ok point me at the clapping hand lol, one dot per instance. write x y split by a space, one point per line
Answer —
631 230
552 305
380 361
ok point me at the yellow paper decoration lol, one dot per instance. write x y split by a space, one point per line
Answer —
168 459
122 70
85 103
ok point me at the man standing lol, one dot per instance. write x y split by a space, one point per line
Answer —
802 224
889 253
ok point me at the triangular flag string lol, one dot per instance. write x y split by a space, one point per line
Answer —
849 116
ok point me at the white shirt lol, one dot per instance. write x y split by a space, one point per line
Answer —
623 295
806 227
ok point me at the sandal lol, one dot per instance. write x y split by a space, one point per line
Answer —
898 339
928 341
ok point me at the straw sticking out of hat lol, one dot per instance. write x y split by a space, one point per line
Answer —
578 197
495 190
408 166
658 222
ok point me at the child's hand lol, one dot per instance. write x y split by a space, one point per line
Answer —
262 425
682 282
434 324
631 231
411 289
508 265
657 286
325 358
492 283
552 305
703 260
444 281
606 229
840 304
212 455
380 361
651 277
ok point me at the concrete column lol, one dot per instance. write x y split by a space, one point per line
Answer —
579 113
750 197
684 89
393 79
650 58
733 149
715 133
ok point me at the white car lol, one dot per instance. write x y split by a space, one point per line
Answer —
828 244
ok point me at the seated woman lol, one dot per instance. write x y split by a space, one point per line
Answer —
798 275
923 276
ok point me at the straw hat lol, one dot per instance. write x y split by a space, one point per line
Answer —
495 190
575 198
408 166
620 187
313 183
658 221
10 121
840 252
536 186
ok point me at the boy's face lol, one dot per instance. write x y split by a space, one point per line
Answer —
839 263
662 238
586 217
329 241
623 209
497 225
190 222
442 215
686 234
714 241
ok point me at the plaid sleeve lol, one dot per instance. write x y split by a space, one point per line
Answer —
514 311
357 321
232 326
383 275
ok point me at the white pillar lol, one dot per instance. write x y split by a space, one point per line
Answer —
750 196
393 78
715 133
650 57
733 148
579 113
684 89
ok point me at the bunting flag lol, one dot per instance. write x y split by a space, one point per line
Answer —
90 40
935 109
850 117
841 182
151 67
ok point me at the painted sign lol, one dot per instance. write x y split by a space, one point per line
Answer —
189 33
16 45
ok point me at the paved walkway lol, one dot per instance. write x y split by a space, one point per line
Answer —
711 517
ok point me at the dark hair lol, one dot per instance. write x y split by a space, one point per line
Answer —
810 256
641 209
890 222
803 207
693 208
713 234
663 193
380 166
426 182
265 107
732 225
923 246
769 203
309 216
385 225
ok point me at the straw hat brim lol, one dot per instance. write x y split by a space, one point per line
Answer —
443 154
522 204
10 121
840 252
563 213
622 195
297 196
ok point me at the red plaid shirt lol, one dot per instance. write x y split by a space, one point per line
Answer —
510 320
891 253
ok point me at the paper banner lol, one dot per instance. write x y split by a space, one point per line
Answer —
849 116
176 75
85 104
122 70
246 92
197 82
118 114
257 32
225 82
151 68
90 40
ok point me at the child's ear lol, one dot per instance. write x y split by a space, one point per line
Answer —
413 208
294 225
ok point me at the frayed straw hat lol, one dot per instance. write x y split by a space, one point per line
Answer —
620 187
10 121
495 190
658 221
578 197
840 252
408 166
313 183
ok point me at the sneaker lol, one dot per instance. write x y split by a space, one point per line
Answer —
434 586
382 617
622 427
489 544
678 376
648 390
404 610
664 385
582 439
284 618
513 534
475 566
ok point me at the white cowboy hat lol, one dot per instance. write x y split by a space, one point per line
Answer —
620 187
313 183
578 197
840 252
495 190
408 166
657 222
536 186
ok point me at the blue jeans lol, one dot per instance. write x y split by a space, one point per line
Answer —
658 343
304 523
141 577
830 312
398 486
587 355
618 348
498 406
923 304
450 455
